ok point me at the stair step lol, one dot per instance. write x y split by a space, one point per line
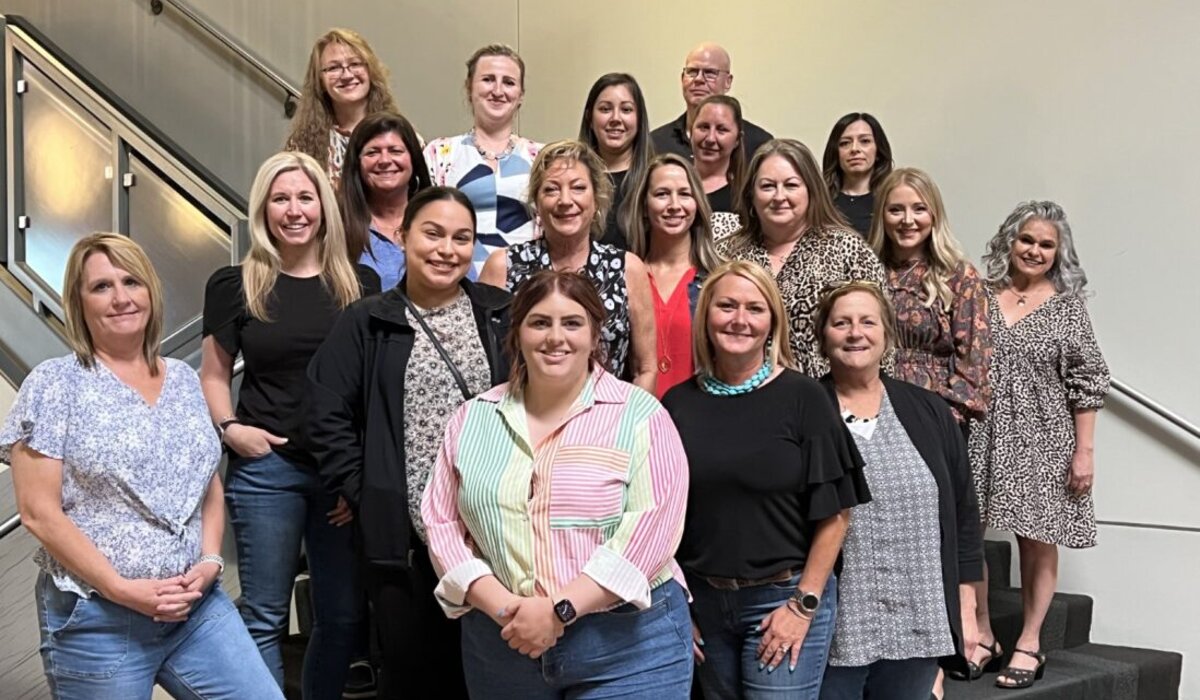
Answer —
1159 672
1068 621
998 555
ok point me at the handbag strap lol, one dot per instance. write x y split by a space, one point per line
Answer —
437 344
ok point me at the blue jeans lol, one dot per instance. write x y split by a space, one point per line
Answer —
93 648
728 620
273 505
907 679
623 653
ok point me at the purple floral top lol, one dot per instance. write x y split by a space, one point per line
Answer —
133 475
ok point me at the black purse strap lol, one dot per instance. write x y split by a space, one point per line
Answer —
437 344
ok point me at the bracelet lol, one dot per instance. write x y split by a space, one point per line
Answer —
215 559
224 423
794 607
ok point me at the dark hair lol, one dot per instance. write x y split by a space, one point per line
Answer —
736 173
438 193
573 286
643 146
832 164
352 194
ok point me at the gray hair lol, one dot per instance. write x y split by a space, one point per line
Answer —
1066 274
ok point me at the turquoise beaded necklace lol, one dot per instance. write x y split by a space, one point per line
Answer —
716 387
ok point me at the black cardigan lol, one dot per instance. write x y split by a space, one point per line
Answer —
356 410
927 419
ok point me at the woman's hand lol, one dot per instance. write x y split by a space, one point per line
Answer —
341 513
164 600
783 634
202 576
250 442
697 644
1082 474
534 627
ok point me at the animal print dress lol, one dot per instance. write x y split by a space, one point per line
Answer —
1045 366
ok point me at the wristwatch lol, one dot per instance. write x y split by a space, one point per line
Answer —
808 602
564 610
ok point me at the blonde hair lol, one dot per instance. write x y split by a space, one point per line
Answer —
887 312
261 266
573 152
778 351
944 254
124 253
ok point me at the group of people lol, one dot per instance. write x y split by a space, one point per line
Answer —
595 416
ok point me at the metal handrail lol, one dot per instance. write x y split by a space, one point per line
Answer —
1156 408
202 22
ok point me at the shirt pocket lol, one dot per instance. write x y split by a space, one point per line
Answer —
588 487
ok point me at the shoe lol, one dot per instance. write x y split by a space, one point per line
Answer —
1021 677
360 682
990 663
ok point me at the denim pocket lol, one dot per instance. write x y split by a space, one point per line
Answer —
61 607
94 641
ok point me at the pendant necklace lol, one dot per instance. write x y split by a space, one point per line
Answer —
669 311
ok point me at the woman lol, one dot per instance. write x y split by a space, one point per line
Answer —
764 592
490 163
857 158
274 309
553 511
344 82
381 397
720 158
570 193
114 464
384 169
616 127
1033 455
793 230
943 340
904 602
668 228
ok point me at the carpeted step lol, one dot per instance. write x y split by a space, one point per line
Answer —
1068 621
1159 672
1069 676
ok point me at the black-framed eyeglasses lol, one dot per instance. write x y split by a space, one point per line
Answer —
710 74
339 68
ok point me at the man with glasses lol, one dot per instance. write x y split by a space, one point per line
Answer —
705 72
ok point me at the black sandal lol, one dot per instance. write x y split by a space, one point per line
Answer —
991 662
1023 677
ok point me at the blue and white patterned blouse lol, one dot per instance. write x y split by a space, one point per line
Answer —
133 475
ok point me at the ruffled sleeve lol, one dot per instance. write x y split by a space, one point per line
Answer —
835 474
1082 366
225 308
41 412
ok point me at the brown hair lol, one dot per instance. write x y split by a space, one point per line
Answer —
124 253
503 50
736 173
541 285
822 214
887 312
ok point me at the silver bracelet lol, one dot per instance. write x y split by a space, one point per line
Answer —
214 558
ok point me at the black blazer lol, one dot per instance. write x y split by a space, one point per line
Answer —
356 410
927 419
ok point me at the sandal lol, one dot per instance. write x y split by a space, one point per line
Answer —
1023 677
989 663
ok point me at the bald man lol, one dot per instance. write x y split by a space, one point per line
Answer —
705 72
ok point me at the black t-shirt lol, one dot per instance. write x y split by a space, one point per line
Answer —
614 235
276 354
857 208
721 199
765 467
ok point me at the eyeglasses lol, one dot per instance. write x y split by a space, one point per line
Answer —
710 74
339 68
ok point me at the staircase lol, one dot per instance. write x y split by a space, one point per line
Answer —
1076 669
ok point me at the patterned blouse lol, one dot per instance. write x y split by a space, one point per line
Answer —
819 259
603 495
502 218
431 394
725 224
133 475
606 268
946 352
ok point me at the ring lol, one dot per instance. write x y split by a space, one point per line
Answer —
783 648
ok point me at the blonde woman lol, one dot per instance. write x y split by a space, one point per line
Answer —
943 339
275 309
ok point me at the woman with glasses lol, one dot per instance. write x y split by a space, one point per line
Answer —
344 82
490 163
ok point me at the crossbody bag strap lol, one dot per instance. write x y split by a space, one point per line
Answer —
437 344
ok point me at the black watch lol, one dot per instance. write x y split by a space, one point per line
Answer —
808 602
565 611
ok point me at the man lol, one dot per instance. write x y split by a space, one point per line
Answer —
705 72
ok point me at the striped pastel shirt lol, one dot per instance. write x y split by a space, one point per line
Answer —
603 495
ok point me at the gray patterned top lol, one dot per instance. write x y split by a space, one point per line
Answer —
133 475
431 394
891 603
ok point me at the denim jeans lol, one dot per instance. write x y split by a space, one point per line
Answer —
93 648
728 622
906 679
273 505
623 653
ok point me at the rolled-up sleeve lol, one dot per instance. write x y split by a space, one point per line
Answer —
651 525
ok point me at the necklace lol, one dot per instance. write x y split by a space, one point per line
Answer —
716 387
665 315
488 155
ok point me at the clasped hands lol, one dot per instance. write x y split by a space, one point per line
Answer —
168 599
530 626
